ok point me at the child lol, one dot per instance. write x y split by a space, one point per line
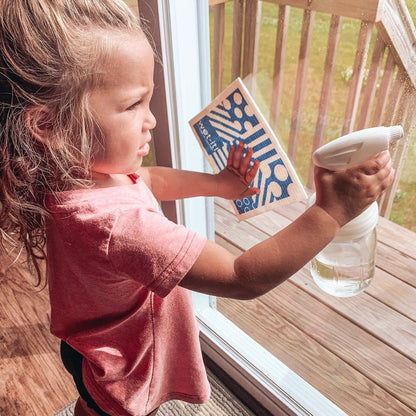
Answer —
76 79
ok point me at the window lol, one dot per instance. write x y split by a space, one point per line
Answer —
186 76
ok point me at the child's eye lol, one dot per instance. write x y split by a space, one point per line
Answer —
133 106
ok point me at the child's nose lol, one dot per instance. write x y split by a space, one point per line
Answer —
150 121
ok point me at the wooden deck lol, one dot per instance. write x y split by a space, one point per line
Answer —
33 382
360 352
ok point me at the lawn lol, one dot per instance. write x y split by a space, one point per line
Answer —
402 212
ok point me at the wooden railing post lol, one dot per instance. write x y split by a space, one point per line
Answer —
238 24
357 76
327 82
219 13
251 42
385 87
371 86
279 64
300 87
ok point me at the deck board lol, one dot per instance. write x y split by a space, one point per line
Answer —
312 361
399 295
358 351
329 329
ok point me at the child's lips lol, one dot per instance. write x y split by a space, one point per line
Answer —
144 150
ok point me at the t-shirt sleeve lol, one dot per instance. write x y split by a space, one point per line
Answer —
147 247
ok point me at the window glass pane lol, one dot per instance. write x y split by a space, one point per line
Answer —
349 349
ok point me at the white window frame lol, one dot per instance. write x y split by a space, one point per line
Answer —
184 44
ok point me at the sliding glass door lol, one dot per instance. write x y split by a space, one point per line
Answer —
180 29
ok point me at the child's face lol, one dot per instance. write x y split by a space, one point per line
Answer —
121 107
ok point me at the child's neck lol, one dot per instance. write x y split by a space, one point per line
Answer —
102 180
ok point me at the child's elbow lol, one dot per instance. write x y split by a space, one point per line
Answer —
249 286
249 293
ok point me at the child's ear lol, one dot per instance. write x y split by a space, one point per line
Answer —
38 120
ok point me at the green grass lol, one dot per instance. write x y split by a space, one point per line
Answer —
406 195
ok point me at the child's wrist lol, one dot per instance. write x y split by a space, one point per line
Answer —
329 219
217 184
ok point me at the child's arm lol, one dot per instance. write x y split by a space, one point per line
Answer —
232 182
340 197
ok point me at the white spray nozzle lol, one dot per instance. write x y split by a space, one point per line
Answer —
395 133
356 147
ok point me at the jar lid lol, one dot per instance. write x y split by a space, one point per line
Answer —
359 226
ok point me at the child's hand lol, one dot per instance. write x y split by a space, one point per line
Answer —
345 194
234 181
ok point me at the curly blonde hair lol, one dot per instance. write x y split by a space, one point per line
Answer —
52 53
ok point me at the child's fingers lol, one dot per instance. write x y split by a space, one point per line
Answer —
385 176
245 163
231 156
377 173
251 173
250 192
238 155
239 163
388 180
385 171
375 164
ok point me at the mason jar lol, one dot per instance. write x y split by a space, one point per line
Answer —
345 267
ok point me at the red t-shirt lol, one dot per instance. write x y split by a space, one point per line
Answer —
114 267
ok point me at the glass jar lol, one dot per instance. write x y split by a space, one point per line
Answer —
345 267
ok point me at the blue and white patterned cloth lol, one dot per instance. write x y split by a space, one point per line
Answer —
233 117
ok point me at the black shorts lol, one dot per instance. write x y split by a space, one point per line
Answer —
73 363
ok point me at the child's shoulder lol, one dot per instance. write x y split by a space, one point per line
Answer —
102 198
97 211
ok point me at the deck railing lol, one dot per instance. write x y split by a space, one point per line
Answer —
382 90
